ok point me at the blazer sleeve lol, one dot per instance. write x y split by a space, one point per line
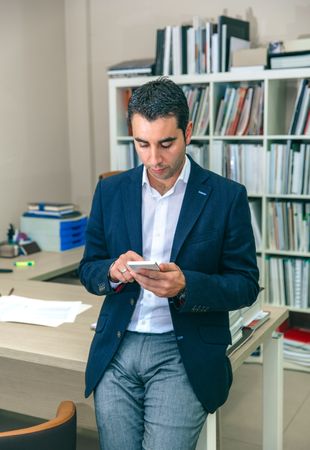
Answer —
95 264
236 283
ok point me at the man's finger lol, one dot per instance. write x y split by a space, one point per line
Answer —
168 267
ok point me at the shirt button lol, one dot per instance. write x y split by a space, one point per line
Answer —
119 334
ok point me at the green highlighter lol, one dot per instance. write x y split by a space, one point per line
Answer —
24 263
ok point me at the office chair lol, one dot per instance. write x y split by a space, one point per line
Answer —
109 174
55 434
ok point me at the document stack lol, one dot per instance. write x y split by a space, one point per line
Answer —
296 348
235 325
243 322
51 209
135 67
289 54
55 227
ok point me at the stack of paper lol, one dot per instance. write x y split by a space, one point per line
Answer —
50 313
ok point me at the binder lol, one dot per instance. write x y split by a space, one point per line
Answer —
230 27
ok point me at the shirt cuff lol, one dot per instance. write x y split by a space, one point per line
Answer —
115 285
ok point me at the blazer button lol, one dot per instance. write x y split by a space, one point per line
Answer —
132 301
119 334
101 287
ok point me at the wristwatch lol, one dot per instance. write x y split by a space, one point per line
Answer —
180 297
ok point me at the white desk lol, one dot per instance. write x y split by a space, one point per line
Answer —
272 383
40 366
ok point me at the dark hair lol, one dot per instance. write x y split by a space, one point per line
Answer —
159 98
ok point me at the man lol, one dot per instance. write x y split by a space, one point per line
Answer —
158 364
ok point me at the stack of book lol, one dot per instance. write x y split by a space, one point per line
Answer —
132 68
235 325
127 157
199 108
200 153
289 168
289 54
54 226
51 209
200 47
240 111
300 122
236 161
288 225
244 322
256 219
297 346
288 282
296 339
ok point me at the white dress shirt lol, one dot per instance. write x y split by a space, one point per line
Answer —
160 214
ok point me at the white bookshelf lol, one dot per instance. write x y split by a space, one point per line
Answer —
280 89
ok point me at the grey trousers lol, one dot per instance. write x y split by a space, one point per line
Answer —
144 399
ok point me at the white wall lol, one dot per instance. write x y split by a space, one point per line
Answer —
34 158
125 29
78 56
54 97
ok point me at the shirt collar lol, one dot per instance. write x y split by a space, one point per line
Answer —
183 177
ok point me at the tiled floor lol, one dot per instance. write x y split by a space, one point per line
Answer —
241 421
241 427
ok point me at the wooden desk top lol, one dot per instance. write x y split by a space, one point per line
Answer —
47 265
67 346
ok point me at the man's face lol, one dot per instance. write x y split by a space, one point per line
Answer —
161 147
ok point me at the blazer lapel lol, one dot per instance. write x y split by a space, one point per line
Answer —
132 204
196 196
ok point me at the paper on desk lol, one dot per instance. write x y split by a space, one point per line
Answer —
51 313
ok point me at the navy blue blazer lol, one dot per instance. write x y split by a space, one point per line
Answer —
214 247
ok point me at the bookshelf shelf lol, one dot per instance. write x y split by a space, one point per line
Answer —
244 139
201 138
280 90
286 137
254 195
287 253
298 367
124 139
300 310
289 196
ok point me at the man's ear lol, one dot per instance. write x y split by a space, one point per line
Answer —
188 132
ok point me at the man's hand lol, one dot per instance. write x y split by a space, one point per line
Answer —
119 271
167 282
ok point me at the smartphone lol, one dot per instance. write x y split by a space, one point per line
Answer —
136 265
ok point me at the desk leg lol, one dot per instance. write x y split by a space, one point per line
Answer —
273 393
208 435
